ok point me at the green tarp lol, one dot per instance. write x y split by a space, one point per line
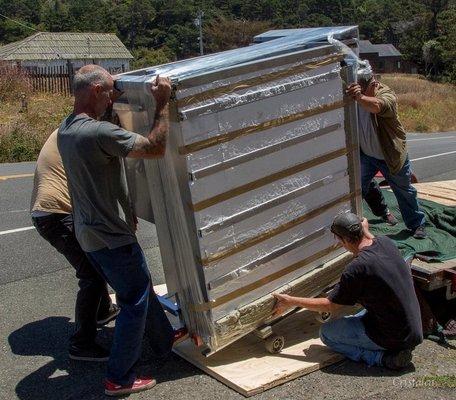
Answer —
440 245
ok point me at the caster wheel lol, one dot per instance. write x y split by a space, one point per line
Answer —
323 317
274 344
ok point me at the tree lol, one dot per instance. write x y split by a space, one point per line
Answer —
224 33
145 26
26 12
148 58
432 55
55 16
446 29
134 21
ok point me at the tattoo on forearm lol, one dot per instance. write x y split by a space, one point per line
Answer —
156 140
160 129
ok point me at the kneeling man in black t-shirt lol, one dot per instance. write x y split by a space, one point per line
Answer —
389 327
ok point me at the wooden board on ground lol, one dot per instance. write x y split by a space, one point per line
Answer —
432 275
443 192
248 368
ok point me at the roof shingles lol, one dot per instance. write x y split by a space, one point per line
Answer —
66 45
383 50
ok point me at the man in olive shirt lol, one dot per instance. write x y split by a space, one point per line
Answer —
383 148
51 213
389 327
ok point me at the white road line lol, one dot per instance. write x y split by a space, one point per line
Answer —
435 155
435 138
27 228
13 211
6 177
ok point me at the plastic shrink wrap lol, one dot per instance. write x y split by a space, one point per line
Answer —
262 154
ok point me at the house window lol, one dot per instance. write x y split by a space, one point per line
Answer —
398 65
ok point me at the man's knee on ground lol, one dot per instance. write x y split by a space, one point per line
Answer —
326 334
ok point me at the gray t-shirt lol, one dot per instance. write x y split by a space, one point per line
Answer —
91 153
368 139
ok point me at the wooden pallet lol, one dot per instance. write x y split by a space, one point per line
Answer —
431 276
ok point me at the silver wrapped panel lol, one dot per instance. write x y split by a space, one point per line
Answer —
260 158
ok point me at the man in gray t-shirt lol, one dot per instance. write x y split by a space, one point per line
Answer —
91 152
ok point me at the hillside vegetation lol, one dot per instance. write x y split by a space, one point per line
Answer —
423 106
156 31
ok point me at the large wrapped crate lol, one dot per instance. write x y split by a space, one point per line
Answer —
262 154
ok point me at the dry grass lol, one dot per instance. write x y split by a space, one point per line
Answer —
424 106
13 82
22 134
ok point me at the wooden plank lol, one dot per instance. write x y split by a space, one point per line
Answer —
248 368
436 267
431 275
443 192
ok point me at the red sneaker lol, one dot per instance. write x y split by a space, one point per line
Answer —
140 384
180 335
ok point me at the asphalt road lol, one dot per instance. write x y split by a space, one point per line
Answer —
37 293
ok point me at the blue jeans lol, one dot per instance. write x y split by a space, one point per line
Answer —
125 270
400 184
348 336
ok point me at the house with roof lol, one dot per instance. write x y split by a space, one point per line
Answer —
54 49
384 58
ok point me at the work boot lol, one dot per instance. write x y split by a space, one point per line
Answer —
111 315
92 352
139 385
389 218
420 233
397 360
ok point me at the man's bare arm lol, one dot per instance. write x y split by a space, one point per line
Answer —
154 145
369 103
319 304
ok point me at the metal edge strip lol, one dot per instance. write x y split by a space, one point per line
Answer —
258 80
252 266
348 76
212 169
267 179
272 203
275 231
202 307
227 137
276 60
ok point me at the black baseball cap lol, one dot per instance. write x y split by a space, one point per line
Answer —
347 225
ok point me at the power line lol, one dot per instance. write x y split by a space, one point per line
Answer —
19 23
